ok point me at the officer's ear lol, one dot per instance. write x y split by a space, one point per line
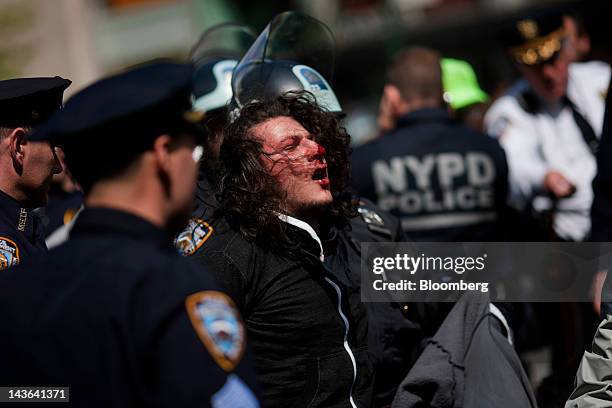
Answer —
161 151
393 101
18 140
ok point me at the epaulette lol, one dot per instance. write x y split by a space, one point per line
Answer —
373 220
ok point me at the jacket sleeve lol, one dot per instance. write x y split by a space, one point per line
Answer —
601 211
228 275
526 165
593 384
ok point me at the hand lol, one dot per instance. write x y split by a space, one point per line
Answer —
596 287
558 185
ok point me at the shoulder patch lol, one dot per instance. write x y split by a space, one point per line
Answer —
219 326
498 127
193 236
9 253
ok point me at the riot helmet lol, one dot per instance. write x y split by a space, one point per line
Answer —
295 52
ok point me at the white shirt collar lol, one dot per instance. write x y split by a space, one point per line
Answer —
304 226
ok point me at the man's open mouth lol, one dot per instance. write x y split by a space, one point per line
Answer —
320 176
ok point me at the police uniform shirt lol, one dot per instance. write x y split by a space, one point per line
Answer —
445 182
123 320
21 233
537 140
24 102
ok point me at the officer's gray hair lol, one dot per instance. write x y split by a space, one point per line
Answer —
417 74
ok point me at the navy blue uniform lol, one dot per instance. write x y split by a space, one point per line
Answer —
21 233
61 208
120 318
444 181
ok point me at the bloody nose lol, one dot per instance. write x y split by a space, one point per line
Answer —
321 150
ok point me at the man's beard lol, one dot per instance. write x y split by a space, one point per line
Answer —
312 210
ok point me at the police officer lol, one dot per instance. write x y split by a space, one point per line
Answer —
214 56
26 166
549 123
444 181
115 313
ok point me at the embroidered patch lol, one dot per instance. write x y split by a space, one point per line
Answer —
235 393
193 236
9 253
219 325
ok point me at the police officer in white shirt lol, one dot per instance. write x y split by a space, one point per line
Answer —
549 123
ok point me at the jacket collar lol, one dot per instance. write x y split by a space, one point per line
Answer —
99 220
304 227
423 116
20 217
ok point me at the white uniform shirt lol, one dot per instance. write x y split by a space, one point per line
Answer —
538 142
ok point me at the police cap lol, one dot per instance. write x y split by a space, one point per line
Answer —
30 101
104 127
536 38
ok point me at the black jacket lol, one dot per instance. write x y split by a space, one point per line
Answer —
444 181
297 312
395 330
124 321
21 233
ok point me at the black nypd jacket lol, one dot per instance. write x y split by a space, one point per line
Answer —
445 182
124 321
307 328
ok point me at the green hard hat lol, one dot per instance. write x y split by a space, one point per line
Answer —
461 87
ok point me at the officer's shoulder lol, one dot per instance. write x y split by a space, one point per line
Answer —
480 140
375 220
588 78
218 240
590 71
508 109
510 102
371 146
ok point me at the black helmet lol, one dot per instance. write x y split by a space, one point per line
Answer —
294 52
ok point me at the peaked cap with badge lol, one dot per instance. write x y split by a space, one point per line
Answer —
119 117
30 101
535 39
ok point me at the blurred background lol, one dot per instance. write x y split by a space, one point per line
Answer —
86 39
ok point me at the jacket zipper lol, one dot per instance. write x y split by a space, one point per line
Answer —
306 227
346 345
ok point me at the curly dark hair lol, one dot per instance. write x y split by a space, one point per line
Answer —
250 197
